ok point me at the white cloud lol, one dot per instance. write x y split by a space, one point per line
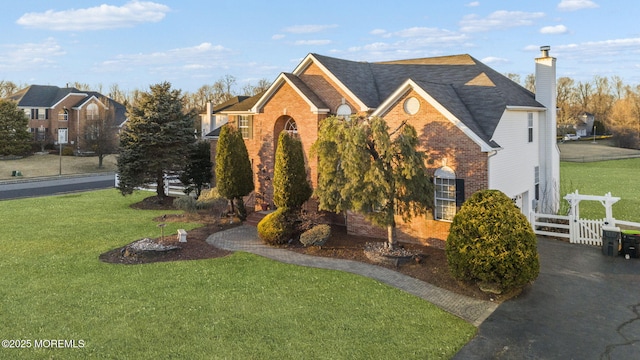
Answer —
557 29
307 29
313 42
494 60
498 20
199 57
378 32
278 36
20 57
473 4
96 18
573 5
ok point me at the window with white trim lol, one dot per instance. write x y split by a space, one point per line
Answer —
245 125
291 127
530 126
344 111
41 114
92 112
445 194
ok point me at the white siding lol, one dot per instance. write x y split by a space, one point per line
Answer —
511 170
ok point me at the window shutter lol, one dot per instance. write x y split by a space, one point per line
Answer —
34 113
46 114
459 192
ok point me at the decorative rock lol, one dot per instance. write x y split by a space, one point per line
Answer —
146 245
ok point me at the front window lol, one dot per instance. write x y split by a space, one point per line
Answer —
344 111
92 112
244 125
63 115
445 194
41 114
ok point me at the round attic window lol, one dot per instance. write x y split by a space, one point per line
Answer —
411 106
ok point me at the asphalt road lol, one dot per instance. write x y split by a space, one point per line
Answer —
17 189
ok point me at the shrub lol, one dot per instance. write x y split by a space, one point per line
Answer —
491 241
185 203
67 151
316 236
275 228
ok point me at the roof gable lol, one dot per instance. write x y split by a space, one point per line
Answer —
316 105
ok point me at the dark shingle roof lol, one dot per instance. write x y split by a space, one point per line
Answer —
312 96
476 94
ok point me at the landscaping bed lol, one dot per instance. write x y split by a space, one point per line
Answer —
430 265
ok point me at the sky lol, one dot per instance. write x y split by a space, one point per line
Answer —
135 44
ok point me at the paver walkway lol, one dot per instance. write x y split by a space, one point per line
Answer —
245 238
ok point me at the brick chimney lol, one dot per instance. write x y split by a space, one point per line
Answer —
546 92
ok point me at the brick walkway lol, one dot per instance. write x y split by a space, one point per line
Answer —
245 238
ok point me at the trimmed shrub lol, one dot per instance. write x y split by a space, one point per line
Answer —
316 236
275 228
491 241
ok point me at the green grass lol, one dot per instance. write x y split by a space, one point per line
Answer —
620 177
239 307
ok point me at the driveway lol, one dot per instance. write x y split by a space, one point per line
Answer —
584 305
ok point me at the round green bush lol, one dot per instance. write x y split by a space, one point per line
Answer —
491 241
276 228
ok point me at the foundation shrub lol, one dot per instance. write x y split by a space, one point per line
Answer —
275 228
491 241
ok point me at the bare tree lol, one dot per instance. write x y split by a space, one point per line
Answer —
101 133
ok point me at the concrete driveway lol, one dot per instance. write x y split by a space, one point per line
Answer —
584 305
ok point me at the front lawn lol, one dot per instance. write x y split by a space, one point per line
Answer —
243 306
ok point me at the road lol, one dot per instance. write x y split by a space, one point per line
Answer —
16 189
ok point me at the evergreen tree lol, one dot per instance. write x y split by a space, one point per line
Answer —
156 139
14 136
290 185
234 177
197 172
364 167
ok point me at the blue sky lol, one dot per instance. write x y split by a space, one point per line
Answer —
192 43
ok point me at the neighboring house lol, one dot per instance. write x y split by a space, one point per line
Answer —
478 128
584 124
55 111
216 116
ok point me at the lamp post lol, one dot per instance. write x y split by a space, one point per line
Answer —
62 139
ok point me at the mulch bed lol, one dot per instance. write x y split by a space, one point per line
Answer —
430 266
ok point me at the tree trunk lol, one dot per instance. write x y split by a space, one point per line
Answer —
391 236
160 186
100 158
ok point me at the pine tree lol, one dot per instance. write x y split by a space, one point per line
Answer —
155 140
290 185
364 167
197 172
14 136
234 177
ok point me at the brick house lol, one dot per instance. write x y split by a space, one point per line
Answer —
54 111
478 128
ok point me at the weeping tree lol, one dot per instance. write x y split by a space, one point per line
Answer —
234 178
366 168
290 185
155 141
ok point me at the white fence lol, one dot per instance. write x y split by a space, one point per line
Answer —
172 185
578 231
